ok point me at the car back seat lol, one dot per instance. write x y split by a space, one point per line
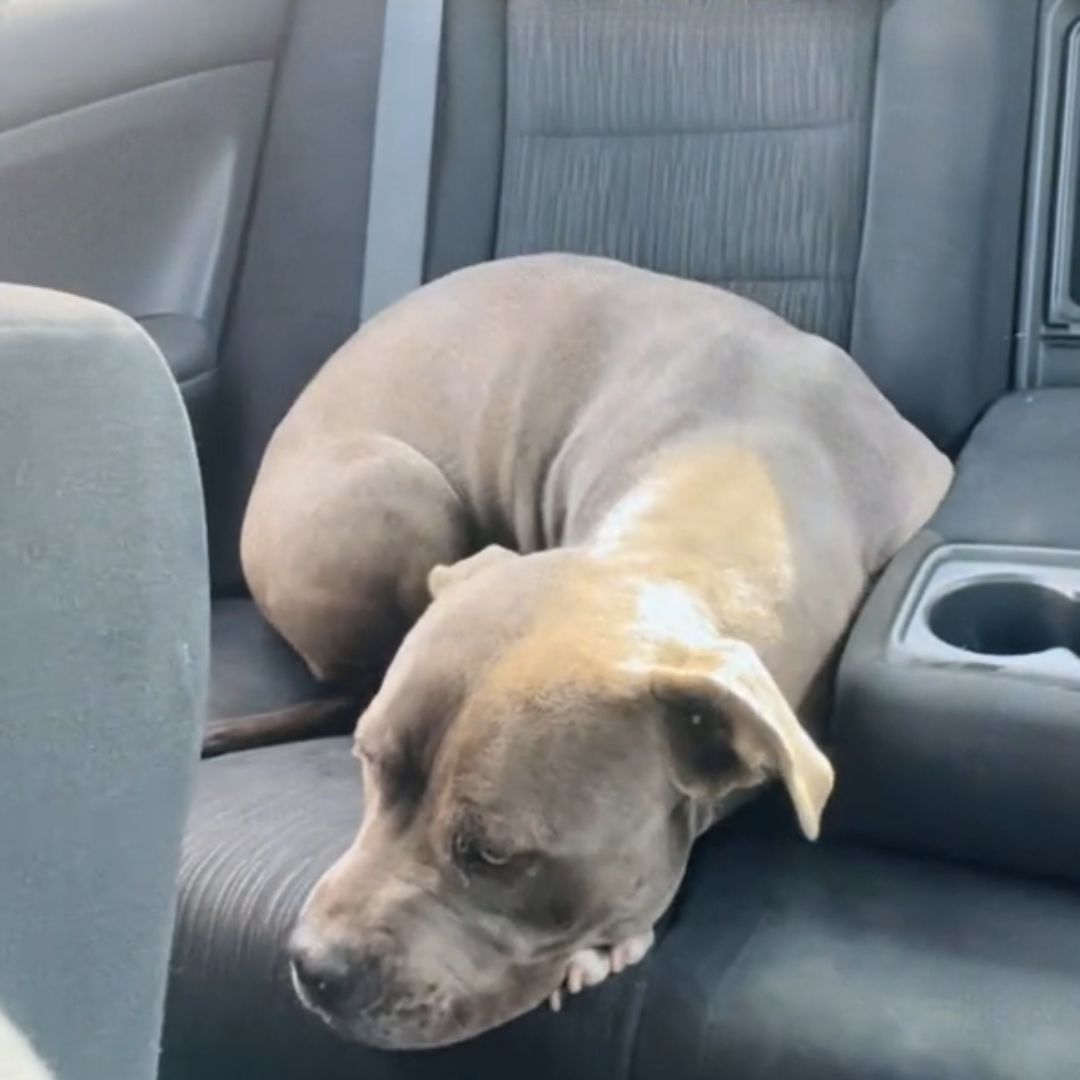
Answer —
859 166
856 165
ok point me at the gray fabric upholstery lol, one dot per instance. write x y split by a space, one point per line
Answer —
782 960
252 669
103 655
191 355
856 166
264 825
790 962
1018 480
719 141
881 203
966 763
936 292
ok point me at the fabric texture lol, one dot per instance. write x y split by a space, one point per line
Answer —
686 137
252 670
265 824
103 655
722 142
782 960
936 291
789 961
1019 474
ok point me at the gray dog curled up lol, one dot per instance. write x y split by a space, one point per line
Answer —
610 527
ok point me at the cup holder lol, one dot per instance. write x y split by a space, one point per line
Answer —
1006 618
998 610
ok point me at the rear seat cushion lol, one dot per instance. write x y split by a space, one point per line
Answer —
265 824
790 962
783 960
1018 480
252 669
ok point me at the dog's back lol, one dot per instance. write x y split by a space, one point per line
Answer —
541 385
520 402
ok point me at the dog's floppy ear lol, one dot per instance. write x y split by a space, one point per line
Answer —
442 577
732 720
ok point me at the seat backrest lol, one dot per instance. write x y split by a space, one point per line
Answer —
857 165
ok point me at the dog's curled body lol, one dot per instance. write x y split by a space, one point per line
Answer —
517 402
699 493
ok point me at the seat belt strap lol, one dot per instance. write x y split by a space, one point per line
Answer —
401 155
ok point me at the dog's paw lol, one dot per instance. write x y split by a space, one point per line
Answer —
590 967
587 967
631 951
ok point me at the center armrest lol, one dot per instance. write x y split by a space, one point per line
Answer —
956 724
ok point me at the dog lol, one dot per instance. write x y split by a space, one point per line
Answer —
607 528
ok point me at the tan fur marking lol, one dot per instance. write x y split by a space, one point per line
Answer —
712 529
716 526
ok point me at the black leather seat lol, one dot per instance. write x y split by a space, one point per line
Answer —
859 166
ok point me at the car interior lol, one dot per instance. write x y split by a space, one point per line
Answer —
899 176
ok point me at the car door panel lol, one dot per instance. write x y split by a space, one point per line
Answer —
129 136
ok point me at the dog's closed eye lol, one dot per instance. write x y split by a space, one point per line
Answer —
471 852
476 854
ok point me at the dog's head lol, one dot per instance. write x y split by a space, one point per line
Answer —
533 785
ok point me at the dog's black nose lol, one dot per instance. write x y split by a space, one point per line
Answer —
325 979
330 977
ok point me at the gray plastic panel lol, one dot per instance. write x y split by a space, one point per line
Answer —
138 200
62 54
952 758
184 343
296 300
998 609
1064 307
1048 341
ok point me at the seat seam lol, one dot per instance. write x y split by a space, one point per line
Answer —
679 133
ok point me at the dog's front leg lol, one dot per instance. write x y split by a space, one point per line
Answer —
590 967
